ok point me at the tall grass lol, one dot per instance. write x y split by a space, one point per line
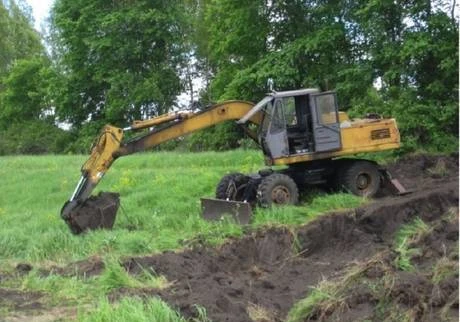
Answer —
405 237
131 309
160 204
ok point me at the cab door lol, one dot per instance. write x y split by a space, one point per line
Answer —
275 136
325 119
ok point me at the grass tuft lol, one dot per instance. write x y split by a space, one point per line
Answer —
115 276
131 309
405 238
443 269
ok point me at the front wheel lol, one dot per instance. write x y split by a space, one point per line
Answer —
232 187
277 189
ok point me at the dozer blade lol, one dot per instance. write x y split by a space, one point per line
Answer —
394 185
216 209
97 212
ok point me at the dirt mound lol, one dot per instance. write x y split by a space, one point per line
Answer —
268 271
20 301
85 268
427 292
418 172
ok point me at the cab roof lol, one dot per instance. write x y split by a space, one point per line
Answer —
297 92
273 95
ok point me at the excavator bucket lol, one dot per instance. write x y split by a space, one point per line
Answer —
97 212
217 209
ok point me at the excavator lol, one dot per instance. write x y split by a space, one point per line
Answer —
303 136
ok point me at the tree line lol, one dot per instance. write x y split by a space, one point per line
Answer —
116 61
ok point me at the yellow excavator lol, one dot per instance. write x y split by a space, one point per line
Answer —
301 130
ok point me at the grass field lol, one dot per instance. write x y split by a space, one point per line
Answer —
160 204
160 210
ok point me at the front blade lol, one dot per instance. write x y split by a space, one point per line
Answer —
216 209
97 212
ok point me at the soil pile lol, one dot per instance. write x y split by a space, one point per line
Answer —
378 289
261 276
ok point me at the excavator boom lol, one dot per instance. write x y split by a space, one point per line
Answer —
83 211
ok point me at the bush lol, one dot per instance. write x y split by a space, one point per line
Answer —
33 137
221 137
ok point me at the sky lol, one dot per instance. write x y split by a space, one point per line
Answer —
40 10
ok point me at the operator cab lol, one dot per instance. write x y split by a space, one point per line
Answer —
298 122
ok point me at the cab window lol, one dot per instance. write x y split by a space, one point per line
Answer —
277 124
326 109
290 111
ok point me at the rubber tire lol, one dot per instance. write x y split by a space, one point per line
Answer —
277 181
350 174
222 189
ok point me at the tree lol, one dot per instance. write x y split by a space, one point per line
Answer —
24 67
26 96
119 59
238 37
18 39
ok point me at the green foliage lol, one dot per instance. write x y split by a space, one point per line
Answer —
220 137
26 95
238 32
304 308
115 276
33 137
423 124
18 39
410 49
83 138
119 59
131 309
405 237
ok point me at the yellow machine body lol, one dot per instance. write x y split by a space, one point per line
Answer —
357 136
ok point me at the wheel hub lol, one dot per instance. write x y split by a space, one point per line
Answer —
363 181
281 195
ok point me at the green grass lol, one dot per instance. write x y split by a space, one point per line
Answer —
328 296
160 199
131 309
160 210
405 237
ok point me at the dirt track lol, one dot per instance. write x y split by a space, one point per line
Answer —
261 276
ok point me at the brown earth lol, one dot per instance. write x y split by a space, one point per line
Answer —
266 272
380 290
261 276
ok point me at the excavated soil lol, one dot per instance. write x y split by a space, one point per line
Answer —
271 270
261 276
427 292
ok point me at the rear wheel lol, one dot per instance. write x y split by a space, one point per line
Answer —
232 187
361 178
278 189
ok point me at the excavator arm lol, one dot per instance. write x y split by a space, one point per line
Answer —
82 212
